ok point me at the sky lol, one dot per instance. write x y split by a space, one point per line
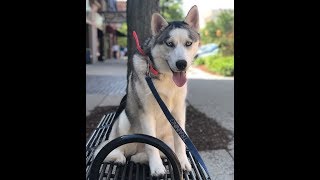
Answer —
204 7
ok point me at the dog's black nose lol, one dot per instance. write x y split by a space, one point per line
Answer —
181 64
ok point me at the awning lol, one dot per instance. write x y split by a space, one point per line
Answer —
110 30
120 34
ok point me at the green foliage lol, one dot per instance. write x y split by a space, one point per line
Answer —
205 60
225 21
223 65
122 41
225 38
200 61
208 34
171 10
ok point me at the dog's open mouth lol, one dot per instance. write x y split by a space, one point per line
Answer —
179 78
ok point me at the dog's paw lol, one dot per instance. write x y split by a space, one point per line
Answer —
116 157
157 170
141 157
185 164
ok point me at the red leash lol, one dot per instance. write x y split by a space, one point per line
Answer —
152 70
137 43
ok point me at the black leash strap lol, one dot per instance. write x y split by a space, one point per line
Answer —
176 126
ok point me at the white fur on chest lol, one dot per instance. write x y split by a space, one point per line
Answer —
169 92
171 95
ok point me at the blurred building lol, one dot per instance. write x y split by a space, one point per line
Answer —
103 18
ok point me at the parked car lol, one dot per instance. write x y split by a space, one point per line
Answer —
207 50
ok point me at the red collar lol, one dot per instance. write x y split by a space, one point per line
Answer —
151 69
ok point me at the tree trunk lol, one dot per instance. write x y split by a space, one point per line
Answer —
139 14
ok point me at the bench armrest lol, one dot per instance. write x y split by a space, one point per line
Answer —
135 138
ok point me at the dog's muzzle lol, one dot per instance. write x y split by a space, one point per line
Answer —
181 64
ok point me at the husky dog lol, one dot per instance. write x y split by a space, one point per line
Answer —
172 48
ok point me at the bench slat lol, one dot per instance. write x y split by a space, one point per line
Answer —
131 171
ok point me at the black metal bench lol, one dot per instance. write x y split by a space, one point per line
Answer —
133 171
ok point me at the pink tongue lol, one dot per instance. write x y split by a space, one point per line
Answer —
179 78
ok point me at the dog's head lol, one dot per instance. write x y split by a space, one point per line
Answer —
175 44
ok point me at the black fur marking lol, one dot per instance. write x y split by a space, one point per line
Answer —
163 36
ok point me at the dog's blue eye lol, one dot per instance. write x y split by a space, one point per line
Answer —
188 43
170 44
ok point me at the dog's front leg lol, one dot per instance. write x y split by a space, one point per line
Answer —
148 124
179 113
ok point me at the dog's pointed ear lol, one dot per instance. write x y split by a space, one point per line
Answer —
157 23
192 18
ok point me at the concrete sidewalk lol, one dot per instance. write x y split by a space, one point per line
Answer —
105 83
210 94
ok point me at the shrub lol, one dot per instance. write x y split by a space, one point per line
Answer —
199 61
223 65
